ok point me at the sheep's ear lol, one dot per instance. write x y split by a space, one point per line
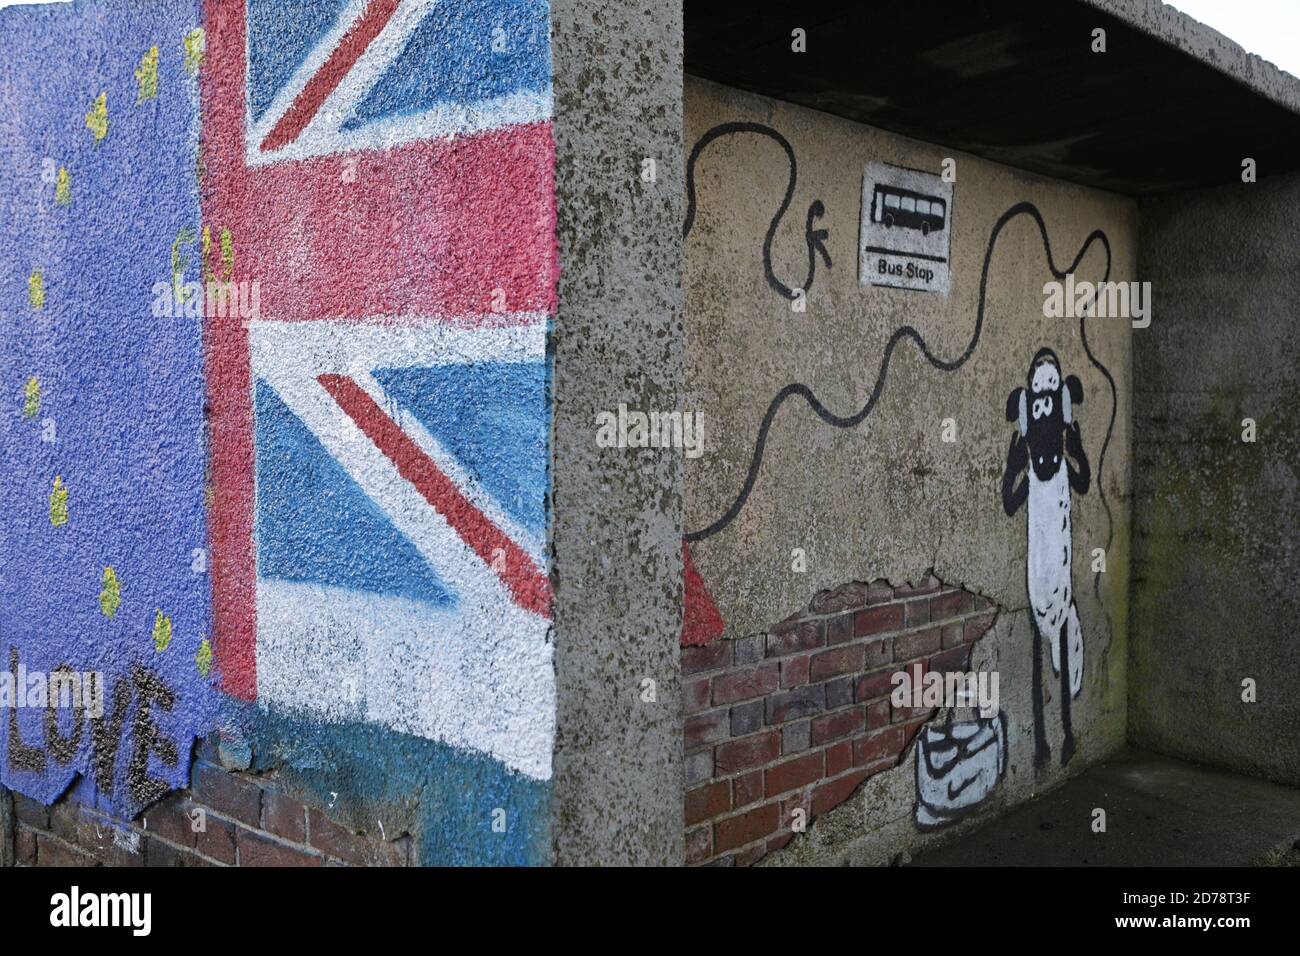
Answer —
1016 410
1071 395
1013 404
1075 388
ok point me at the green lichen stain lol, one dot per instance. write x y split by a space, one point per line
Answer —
227 255
194 44
180 262
146 75
207 254
32 398
162 631
36 289
58 503
97 118
63 188
110 596
203 659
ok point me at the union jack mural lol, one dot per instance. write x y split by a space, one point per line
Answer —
380 428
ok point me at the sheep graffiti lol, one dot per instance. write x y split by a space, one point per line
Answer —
1046 439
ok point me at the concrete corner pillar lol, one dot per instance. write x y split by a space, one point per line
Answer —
617 513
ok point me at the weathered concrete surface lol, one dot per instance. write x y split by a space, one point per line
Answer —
617 524
1159 812
888 498
1215 563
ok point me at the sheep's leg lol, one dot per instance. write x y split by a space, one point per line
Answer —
1067 745
1042 752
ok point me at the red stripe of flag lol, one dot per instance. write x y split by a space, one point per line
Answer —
326 80
530 588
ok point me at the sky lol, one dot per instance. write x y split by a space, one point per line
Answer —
1270 28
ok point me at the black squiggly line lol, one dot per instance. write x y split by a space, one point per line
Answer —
815 238
1101 459
908 332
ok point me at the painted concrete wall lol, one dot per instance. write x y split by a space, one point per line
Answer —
879 496
1214 557
312 515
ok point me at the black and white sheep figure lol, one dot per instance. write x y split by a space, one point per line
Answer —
1046 439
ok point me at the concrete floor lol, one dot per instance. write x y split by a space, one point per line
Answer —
1159 812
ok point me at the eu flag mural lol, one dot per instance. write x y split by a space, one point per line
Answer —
103 539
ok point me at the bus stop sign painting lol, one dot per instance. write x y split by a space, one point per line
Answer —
906 227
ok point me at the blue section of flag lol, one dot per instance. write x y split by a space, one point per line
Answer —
280 35
315 524
492 417
120 419
464 54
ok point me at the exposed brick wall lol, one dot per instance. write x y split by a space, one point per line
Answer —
247 820
801 716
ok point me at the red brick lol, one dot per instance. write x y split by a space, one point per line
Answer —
790 639
778 842
910 731
876 620
705 657
954 635
876 684
169 818
797 703
798 772
24 847
217 840
799 801
839 724
916 613
900 715
794 671
747 789
843 660
160 854
886 744
927 585
747 752
255 850
695 695
702 730
839 757
879 652
951 604
920 644
359 849
953 660
73 823
227 793
31 812
839 629
853 595
52 852
699 845
707 802
834 792
728 688
746 828
752 855
877 714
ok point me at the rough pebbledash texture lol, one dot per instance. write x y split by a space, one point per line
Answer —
799 717
226 818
